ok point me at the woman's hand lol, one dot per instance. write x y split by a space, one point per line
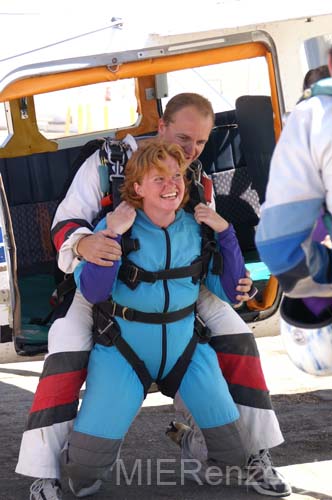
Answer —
248 291
244 288
121 219
205 214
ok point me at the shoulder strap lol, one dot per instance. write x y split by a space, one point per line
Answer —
113 159
113 156
196 188
133 275
209 246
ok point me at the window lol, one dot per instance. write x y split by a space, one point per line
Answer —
3 123
222 83
90 108
315 51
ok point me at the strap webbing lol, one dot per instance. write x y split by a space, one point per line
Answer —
170 384
66 286
129 272
111 335
111 309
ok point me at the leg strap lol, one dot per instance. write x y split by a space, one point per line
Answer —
111 335
170 384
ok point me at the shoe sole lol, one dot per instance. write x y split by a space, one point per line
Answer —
85 492
270 493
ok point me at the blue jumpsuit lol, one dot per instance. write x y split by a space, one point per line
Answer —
114 393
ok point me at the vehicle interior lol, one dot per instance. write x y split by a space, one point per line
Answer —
39 151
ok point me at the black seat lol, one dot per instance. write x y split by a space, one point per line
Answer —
240 184
222 150
255 120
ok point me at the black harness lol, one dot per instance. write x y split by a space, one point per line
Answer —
106 331
132 275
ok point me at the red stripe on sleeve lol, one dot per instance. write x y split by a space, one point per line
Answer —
60 236
57 390
242 370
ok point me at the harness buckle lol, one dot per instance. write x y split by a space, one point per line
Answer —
132 274
104 330
113 305
124 309
202 331
116 155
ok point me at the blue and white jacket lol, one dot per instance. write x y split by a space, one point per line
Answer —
300 183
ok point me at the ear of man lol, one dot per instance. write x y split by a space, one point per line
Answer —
329 61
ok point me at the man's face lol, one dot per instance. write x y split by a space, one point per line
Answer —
189 129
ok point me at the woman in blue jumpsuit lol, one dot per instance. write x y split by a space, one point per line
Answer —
169 237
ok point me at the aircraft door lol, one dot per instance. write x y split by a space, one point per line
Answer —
9 292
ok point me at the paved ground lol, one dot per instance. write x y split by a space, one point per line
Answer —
303 404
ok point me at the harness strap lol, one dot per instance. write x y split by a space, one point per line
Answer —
113 157
170 384
128 272
129 244
111 336
111 309
217 259
197 195
116 183
66 286
106 331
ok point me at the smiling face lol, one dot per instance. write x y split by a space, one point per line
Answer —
162 189
189 129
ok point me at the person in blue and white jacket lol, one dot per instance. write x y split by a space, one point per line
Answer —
299 188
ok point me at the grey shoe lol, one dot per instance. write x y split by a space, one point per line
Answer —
81 488
264 478
45 489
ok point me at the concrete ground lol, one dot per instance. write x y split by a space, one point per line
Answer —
303 404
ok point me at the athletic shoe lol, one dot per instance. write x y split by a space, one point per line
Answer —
81 488
45 489
264 478
175 431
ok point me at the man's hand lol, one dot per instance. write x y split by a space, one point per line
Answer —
244 286
122 218
100 248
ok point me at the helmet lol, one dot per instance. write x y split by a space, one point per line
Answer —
307 338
